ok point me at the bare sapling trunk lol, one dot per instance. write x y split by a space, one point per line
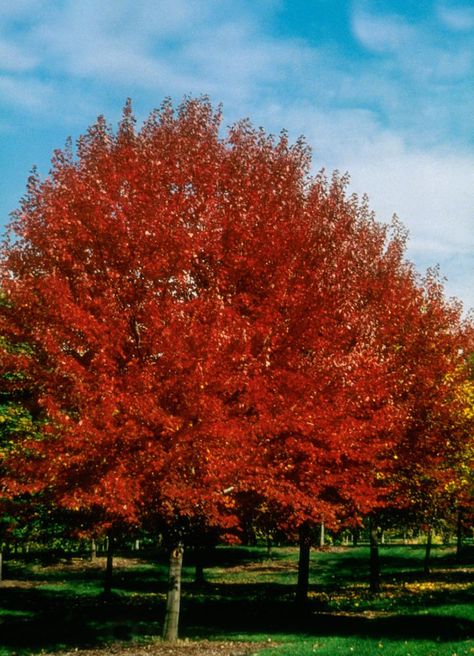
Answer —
109 567
170 627
429 542
303 565
93 550
374 556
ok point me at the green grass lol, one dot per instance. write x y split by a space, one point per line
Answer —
335 646
249 596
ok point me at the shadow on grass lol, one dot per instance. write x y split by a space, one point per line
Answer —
399 564
39 619
69 612
218 619
86 580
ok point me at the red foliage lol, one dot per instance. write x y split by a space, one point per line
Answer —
208 325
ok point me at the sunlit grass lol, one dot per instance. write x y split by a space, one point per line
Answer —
336 646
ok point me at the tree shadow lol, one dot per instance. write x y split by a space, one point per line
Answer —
38 619
395 566
276 615
33 617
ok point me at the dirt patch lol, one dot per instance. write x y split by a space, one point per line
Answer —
267 567
87 564
12 583
179 648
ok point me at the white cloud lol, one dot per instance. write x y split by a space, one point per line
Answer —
28 93
115 64
198 47
168 18
432 192
237 62
419 51
386 33
113 45
458 19
382 119
19 8
14 58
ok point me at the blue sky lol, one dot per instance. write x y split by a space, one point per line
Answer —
383 90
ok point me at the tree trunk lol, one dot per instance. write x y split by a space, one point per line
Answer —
170 628
429 540
93 550
1 563
303 565
374 557
355 536
459 535
321 535
109 566
269 547
199 578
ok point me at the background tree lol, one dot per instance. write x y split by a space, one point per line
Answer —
430 342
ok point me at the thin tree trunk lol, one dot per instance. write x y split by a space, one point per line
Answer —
93 550
374 556
199 578
303 565
429 541
355 536
170 628
459 535
109 566
322 535
269 547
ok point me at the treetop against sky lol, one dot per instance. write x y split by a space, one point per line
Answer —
195 303
382 90
205 333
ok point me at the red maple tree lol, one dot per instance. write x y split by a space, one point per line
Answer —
129 349
212 332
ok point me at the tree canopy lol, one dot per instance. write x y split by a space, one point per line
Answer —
213 333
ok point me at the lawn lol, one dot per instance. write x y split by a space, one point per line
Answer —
247 597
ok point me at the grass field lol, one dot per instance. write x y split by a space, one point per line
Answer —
249 596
